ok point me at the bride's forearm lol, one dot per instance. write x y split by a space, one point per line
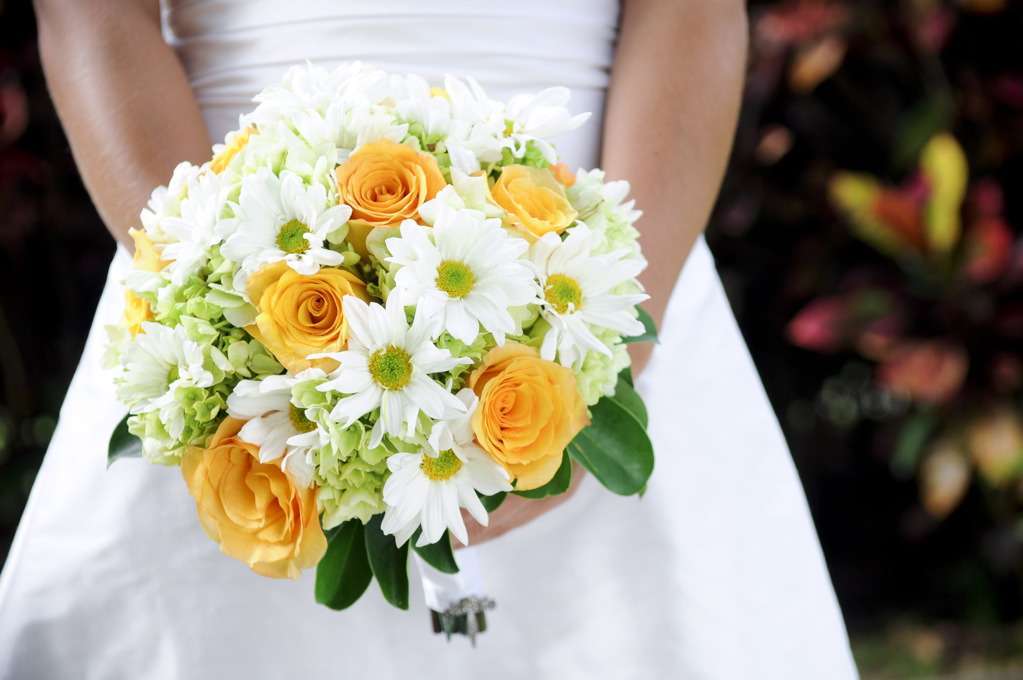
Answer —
123 98
672 107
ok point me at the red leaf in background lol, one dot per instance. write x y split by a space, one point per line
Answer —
926 371
13 112
988 250
1009 89
1009 320
986 198
799 21
1007 372
818 326
932 29
901 210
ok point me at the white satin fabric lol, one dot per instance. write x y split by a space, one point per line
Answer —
715 573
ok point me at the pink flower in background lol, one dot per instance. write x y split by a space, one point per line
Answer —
818 326
927 371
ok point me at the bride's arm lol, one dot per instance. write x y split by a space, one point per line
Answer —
671 113
123 98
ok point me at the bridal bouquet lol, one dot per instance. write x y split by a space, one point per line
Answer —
380 304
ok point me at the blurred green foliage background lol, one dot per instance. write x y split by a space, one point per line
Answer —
868 233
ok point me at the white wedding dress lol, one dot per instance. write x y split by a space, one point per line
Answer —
715 573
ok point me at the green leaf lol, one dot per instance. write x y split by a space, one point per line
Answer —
918 125
389 563
492 503
626 375
343 574
123 444
910 443
649 333
438 555
615 448
629 399
559 483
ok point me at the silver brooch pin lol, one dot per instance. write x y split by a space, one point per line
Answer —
466 617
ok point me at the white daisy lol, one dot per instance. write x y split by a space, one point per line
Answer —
281 429
576 294
165 201
476 128
416 102
464 272
387 365
428 489
159 360
283 219
197 229
537 117
306 87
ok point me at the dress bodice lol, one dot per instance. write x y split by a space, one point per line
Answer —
233 48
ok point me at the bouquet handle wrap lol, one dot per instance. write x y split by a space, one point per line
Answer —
457 602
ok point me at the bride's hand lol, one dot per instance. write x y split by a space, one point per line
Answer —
516 511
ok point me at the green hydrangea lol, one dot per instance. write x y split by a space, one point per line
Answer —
349 473
597 376
197 410
459 374
602 208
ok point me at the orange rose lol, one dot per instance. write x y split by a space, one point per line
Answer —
252 509
384 183
301 315
529 410
534 200
563 174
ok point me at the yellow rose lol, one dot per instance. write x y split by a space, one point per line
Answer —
534 200
384 183
300 315
147 259
252 509
231 147
136 310
529 410
147 255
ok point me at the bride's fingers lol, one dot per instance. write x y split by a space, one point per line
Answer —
517 511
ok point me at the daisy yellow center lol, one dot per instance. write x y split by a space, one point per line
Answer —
298 419
291 237
443 467
563 293
455 278
391 368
